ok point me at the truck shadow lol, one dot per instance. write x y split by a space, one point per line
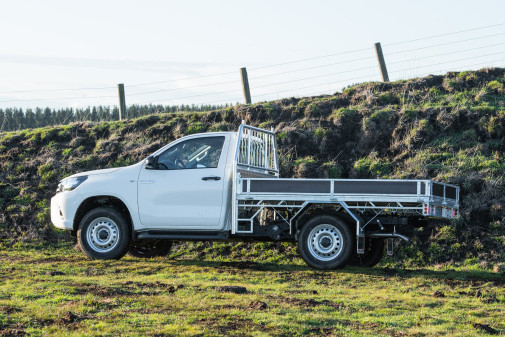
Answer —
474 277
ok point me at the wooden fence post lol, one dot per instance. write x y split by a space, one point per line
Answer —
382 63
245 85
122 102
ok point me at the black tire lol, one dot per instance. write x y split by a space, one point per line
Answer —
150 248
374 251
326 242
104 234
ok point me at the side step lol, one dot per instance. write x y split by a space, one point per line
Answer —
181 235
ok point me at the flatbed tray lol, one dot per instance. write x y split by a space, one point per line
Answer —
373 189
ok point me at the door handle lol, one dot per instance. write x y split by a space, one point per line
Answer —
211 178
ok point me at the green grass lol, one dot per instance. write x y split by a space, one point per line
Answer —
56 291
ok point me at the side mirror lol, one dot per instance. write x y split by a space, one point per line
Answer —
150 163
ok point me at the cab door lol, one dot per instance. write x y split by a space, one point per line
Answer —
185 187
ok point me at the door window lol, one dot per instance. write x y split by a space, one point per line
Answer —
198 153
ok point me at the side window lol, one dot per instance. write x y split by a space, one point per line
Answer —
192 154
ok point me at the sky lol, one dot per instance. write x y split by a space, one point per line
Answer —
63 53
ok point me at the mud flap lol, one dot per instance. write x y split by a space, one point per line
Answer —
360 244
390 249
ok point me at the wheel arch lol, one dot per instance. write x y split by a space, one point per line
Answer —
102 201
316 209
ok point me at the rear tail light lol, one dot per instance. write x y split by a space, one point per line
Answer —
426 209
441 212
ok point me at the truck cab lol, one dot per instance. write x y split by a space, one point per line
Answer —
187 185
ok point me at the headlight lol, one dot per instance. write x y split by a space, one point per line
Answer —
70 183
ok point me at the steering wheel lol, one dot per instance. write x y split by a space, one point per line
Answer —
179 163
203 155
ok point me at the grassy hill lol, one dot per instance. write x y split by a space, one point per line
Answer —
450 128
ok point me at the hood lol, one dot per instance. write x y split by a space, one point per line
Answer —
90 173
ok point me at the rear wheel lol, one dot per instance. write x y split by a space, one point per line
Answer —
325 242
150 248
103 234
374 250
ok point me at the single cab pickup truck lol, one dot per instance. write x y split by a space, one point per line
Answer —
226 186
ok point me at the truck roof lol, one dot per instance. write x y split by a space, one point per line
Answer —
213 133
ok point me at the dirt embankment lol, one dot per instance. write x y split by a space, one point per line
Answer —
450 128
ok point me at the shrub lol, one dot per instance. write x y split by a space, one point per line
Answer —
387 98
377 119
320 132
410 114
66 153
282 135
48 134
495 86
345 117
195 127
269 108
372 166
303 103
495 126
100 130
345 113
306 167
45 168
333 170
216 127
267 124
381 115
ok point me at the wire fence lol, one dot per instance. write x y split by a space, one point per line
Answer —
324 74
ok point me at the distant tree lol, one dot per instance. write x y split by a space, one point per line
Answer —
77 115
101 114
48 118
59 116
94 114
39 117
7 126
115 113
54 119
15 118
19 119
29 119
87 114
2 120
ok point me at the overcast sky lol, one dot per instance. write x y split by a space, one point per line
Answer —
173 52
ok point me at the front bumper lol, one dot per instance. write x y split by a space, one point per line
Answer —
63 208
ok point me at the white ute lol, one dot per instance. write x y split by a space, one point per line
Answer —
226 186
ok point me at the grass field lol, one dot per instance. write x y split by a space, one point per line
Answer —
57 291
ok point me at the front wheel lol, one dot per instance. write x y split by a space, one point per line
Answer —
325 242
103 234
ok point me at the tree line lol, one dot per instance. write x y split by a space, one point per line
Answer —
17 119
